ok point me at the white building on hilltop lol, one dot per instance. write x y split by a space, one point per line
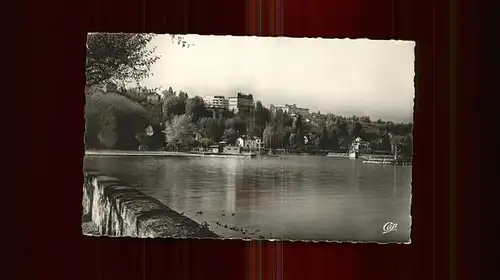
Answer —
216 102
241 104
290 109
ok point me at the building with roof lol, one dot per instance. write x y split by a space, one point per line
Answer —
249 142
290 109
241 103
216 102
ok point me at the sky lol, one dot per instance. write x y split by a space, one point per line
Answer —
341 76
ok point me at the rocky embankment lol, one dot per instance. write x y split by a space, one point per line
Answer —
112 208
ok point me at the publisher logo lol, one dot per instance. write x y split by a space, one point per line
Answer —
389 227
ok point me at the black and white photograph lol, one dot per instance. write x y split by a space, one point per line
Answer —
246 137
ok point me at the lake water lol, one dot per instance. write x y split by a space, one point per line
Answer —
288 197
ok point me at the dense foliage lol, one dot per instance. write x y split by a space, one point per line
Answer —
183 119
116 120
280 130
118 57
113 121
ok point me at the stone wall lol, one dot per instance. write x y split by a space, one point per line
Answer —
120 210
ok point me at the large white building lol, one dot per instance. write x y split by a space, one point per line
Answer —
216 102
241 103
283 108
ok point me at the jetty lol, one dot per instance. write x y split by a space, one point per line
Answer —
390 160
380 161
338 155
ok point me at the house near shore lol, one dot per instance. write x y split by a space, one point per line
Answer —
223 148
233 150
216 149
249 142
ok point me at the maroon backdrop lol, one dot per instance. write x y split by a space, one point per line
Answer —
55 57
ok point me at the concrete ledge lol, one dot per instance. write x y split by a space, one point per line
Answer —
120 210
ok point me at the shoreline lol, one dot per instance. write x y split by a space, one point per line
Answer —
163 153
366 158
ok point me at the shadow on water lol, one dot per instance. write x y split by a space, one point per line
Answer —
293 197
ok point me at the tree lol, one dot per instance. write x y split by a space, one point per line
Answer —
269 136
221 127
226 114
320 122
174 105
315 135
325 142
291 139
285 132
183 97
179 132
112 120
168 93
330 119
356 130
406 147
230 136
262 117
282 118
153 107
390 127
237 124
344 138
385 143
157 140
299 139
334 141
297 133
370 133
297 124
118 57
341 127
122 57
196 107
365 119
208 128
404 129
205 142
136 94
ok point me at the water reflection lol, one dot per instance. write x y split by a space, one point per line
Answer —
394 179
294 197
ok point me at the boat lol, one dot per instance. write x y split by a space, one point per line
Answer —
353 154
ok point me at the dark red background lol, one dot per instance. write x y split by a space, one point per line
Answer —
53 45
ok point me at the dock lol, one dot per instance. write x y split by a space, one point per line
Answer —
338 155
